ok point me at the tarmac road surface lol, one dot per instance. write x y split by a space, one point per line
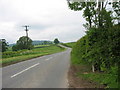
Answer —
48 71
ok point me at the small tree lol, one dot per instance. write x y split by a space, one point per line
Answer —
24 42
4 45
56 41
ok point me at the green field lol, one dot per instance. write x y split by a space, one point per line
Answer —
71 44
42 45
11 57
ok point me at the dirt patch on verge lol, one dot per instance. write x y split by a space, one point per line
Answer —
79 82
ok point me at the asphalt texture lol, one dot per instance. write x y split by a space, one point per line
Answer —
48 71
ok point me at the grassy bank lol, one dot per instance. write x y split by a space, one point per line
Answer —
109 80
18 56
71 44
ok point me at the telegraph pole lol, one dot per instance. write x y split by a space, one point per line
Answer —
26 29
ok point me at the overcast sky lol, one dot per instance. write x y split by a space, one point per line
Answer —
48 19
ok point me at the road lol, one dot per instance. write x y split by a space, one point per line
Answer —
48 71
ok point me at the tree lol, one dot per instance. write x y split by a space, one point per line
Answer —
99 19
15 48
88 8
94 12
45 42
56 41
116 8
4 45
24 42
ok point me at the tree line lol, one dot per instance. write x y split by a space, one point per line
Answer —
24 42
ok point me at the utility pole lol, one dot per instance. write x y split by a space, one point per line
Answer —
26 29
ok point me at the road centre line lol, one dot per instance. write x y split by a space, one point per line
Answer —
25 70
48 58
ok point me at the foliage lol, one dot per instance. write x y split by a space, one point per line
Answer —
15 48
96 13
105 43
116 8
97 45
3 45
24 42
100 46
56 41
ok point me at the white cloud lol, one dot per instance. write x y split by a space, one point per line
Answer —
48 19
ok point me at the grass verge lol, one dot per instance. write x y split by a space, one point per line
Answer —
32 54
108 80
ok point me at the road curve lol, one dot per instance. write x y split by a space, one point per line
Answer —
48 71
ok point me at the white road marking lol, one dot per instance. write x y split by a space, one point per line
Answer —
25 70
48 58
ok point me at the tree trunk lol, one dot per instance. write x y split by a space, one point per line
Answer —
90 21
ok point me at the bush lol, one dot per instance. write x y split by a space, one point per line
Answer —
24 42
99 47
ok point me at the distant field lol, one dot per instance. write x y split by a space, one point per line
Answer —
71 44
42 45
9 49
11 57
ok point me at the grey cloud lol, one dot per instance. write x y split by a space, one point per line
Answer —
47 20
